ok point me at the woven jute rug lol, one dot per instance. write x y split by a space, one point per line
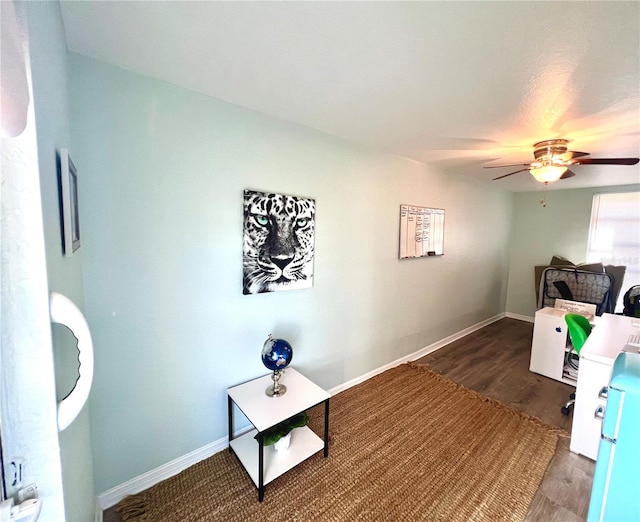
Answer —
405 445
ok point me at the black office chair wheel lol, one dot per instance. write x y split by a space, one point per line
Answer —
565 411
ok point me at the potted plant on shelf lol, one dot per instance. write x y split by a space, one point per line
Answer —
280 434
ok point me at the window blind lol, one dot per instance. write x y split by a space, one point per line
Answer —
614 235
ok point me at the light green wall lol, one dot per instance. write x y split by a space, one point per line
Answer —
50 97
162 172
561 228
161 177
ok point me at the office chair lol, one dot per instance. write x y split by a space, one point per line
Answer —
631 301
579 330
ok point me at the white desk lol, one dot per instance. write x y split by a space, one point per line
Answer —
606 341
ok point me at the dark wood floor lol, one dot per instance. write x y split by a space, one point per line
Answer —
494 361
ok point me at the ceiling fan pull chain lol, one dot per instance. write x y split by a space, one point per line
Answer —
543 201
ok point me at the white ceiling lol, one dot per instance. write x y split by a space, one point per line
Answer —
454 84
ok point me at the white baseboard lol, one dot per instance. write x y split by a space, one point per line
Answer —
99 511
526 318
137 484
417 355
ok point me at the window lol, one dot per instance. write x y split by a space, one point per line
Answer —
614 235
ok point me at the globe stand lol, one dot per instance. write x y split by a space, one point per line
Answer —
276 389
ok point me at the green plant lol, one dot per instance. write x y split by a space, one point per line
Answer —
275 433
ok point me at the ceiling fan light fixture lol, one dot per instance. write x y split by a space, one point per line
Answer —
552 161
548 173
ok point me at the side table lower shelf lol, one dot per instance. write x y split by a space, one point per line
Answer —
304 444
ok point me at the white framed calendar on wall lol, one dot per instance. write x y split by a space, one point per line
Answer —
421 231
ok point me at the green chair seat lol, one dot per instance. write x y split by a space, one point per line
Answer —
579 330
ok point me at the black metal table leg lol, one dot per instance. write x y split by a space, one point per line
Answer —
230 419
326 428
260 468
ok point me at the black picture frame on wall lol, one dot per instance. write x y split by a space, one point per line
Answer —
69 204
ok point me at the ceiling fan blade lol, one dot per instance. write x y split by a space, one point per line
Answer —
508 165
573 154
607 161
510 174
568 174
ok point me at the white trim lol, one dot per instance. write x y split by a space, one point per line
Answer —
418 354
99 511
525 318
137 484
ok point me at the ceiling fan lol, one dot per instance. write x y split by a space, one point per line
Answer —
552 161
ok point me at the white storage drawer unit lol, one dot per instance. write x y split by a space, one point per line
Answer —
550 344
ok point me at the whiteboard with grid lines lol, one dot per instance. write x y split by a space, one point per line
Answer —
421 231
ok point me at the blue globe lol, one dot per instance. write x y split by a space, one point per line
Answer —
276 354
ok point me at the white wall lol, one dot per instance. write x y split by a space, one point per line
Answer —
64 275
27 390
561 228
161 174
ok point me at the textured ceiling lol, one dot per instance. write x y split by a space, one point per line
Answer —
454 84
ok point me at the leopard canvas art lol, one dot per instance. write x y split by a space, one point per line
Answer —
278 242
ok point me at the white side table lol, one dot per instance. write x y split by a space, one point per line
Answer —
264 464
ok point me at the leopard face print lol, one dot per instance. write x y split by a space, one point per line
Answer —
278 242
